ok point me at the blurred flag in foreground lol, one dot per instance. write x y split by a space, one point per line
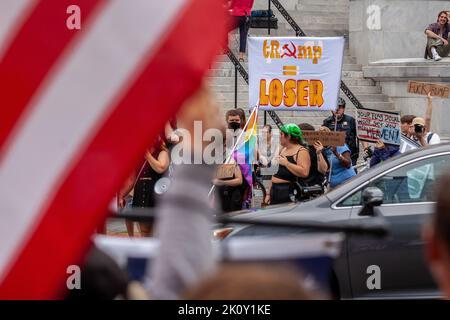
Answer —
77 110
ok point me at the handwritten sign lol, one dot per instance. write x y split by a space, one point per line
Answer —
225 171
331 139
423 88
374 125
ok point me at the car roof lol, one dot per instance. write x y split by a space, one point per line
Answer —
281 212
384 166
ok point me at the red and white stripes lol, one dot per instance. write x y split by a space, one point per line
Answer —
77 112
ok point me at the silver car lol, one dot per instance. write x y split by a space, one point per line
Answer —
407 184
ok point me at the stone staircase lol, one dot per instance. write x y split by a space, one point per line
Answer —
316 18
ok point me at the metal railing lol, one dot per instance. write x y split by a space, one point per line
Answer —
239 68
300 33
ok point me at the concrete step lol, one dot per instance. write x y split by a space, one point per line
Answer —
225 88
325 19
307 3
313 27
229 96
359 82
352 75
336 8
378 105
372 97
357 90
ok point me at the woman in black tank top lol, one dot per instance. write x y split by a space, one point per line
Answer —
293 163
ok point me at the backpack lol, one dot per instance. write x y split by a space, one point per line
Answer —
429 137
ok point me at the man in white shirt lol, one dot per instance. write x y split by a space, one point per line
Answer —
419 133
420 129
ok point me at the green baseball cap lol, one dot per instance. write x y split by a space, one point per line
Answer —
292 129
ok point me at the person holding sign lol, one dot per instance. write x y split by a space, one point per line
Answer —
438 37
229 180
344 123
230 186
420 129
294 164
341 163
382 152
319 162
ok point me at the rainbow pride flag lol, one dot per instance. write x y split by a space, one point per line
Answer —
245 151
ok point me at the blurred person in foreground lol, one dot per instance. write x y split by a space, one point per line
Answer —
185 256
437 237
252 281
185 216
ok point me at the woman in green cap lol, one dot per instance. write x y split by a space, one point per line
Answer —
293 164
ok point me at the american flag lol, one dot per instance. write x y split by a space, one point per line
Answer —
77 110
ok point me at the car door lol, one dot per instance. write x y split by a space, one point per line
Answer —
395 266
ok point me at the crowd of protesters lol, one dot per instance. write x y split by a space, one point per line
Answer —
285 160
185 266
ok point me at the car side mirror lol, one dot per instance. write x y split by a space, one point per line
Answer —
371 197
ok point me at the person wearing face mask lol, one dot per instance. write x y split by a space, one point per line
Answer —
234 120
344 122
242 115
232 188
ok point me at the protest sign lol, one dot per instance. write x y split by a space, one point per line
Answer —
225 171
423 88
374 125
331 139
293 73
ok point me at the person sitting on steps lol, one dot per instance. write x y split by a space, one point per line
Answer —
438 38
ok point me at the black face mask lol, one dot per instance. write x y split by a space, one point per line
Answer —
234 125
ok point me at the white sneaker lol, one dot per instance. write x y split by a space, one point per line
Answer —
436 57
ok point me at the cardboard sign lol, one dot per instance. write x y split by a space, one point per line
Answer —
225 171
374 125
295 73
423 88
331 139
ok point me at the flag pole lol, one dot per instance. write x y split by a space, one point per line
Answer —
237 142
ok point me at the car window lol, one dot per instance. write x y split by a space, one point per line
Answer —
409 184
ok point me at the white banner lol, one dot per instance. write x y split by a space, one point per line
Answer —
293 73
